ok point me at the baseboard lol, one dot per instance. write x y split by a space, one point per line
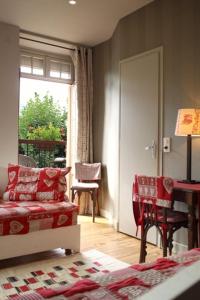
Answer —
106 214
178 247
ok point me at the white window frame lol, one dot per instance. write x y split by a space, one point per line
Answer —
47 59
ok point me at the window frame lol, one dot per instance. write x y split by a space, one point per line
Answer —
47 57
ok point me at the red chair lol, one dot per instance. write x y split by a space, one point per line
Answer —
153 206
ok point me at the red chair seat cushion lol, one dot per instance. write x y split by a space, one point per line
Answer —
173 217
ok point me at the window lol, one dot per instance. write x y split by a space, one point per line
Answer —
58 69
31 64
45 67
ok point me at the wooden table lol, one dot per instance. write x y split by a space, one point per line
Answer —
190 194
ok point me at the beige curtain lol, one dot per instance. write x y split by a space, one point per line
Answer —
80 142
84 84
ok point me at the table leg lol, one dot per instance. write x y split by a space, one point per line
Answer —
191 226
198 222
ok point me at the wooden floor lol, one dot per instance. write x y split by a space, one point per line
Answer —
100 236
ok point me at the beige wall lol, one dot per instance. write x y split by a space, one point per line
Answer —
175 25
9 85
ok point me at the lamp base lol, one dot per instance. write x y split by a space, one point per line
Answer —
189 181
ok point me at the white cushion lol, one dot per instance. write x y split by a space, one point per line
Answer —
85 185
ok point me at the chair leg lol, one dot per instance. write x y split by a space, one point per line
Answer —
78 196
94 200
164 241
73 195
143 242
196 235
98 208
170 240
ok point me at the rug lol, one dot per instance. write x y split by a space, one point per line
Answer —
55 273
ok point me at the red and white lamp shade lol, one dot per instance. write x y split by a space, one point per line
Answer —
188 124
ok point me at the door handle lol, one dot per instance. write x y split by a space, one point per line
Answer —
152 147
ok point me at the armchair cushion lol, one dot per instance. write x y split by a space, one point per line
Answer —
35 184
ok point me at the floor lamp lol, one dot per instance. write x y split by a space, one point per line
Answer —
188 124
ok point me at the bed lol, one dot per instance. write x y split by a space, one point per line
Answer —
28 227
132 282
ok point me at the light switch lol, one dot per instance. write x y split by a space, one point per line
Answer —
166 144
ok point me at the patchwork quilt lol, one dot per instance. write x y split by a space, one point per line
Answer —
128 283
28 216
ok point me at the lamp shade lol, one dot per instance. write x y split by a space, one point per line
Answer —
188 122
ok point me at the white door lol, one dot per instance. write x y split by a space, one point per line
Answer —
140 129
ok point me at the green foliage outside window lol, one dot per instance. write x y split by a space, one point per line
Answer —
45 133
42 119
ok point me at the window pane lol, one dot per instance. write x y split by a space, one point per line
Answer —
38 66
38 71
65 68
38 63
55 74
25 61
25 70
54 66
65 75
65 71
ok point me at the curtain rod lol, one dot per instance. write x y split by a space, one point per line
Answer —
48 44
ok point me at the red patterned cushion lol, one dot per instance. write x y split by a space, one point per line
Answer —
44 184
22 183
52 184
12 176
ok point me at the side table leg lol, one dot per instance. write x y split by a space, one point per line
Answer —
191 226
198 222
